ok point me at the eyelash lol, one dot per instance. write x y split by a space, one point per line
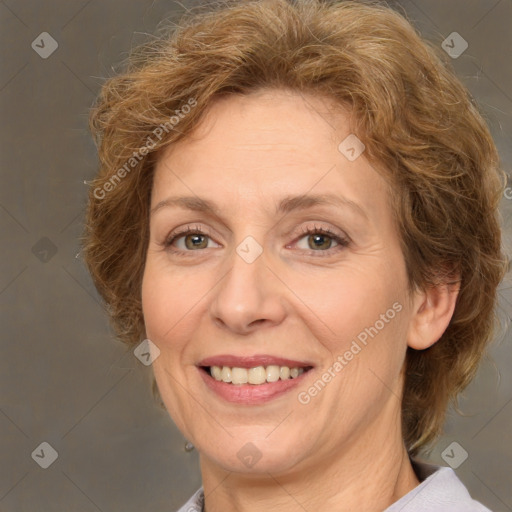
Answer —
341 241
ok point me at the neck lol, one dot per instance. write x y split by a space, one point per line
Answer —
369 475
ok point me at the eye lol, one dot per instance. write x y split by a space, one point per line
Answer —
318 241
193 239
321 239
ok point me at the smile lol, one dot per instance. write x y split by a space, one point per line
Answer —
251 380
256 376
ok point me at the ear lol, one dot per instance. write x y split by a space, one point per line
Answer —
431 315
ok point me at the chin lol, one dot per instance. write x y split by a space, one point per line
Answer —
252 460
249 452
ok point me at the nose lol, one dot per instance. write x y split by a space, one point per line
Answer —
249 296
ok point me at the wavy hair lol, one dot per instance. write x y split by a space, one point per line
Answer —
419 124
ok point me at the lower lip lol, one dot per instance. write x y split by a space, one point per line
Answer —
250 394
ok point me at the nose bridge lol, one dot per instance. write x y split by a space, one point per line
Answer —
246 295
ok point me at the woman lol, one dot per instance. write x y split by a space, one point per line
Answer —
297 206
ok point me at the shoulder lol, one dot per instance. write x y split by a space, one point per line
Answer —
440 490
195 503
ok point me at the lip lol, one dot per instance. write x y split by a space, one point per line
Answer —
250 394
252 361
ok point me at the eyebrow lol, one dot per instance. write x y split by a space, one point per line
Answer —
286 205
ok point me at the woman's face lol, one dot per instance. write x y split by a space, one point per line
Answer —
296 265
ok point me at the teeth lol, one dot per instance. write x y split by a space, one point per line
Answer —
225 374
272 373
238 375
256 375
216 372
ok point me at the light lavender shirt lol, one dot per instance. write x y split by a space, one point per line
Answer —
440 490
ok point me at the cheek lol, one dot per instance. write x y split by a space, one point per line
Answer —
367 356
158 305
174 303
355 302
367 320
167 300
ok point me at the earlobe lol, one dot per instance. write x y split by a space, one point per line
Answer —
432 311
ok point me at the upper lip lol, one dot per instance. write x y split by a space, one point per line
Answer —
252 361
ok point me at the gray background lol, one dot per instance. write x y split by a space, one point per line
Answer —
64 380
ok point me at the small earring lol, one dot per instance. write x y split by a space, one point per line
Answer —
188 446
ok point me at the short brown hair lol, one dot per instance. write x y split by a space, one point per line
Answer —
418 123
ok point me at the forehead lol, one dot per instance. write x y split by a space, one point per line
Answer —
255 149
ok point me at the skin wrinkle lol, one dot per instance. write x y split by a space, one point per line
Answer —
250 311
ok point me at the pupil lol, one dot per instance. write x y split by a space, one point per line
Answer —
196 240
318 238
